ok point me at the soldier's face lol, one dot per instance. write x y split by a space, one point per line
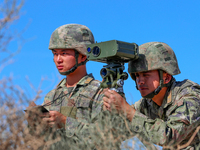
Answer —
64 59
147 82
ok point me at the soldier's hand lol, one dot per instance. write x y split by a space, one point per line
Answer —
54 119
113 100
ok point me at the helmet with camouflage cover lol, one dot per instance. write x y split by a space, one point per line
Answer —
155 56
72 36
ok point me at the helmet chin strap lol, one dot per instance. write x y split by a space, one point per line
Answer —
158 89
75 66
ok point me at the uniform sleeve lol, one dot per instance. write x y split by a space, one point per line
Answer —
137 104
183 118
76 129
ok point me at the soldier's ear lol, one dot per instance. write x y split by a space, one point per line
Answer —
83 58
166 77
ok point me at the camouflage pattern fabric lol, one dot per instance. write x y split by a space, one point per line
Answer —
174 122
108 132
71 36
81 106
154 56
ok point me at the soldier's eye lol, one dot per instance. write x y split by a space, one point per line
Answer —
64 53
146 75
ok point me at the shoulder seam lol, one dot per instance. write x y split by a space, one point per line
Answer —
60 82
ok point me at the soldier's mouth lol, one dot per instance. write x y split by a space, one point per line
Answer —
142 88
60 67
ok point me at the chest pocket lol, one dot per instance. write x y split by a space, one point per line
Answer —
84 106
69 111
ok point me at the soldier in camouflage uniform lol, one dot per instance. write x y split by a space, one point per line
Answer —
169 111
77 99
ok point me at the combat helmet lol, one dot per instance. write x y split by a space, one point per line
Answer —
155 56
72 36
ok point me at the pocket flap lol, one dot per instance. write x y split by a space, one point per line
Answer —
83 101
68 111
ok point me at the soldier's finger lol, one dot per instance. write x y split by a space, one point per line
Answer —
112 91
106 107
46 120
107 100
106 104
106 89
106 94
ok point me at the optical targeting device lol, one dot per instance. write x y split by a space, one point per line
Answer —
115 54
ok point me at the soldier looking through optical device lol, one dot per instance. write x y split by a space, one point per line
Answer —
169 110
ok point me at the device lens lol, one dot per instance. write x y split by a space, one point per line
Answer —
96 51
88 49
103 72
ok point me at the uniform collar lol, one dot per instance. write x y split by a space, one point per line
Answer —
166 101
86 79
81 82
168 96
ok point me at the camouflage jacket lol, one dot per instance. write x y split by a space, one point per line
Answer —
174 122
81 105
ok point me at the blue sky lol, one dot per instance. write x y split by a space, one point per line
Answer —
175 22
